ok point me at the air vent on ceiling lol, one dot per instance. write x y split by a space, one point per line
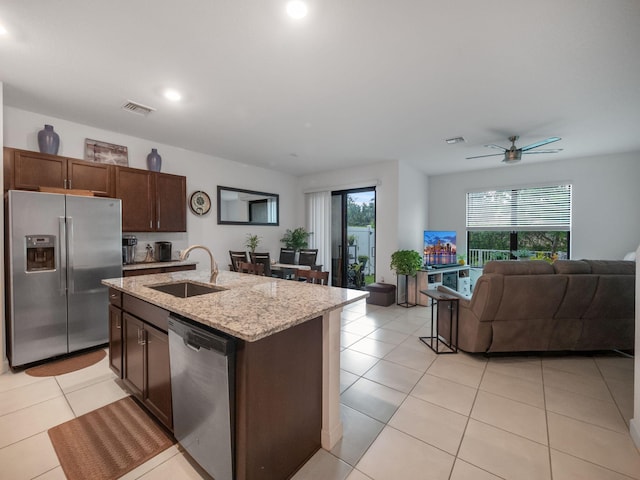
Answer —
455 140
137 108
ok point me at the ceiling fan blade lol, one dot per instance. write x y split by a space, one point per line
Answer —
493 145
539 144
554 150
482 156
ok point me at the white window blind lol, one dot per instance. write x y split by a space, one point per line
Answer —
535 208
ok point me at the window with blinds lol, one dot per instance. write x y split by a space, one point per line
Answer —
520 209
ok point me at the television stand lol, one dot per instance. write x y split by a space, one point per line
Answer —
456 277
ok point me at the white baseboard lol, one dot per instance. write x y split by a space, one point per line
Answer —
634 430
4 366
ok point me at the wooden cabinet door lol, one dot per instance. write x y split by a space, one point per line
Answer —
171 203
133 354
115 340
32 170
96 177
158 383
135 188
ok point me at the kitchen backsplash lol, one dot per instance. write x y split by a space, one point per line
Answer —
179 242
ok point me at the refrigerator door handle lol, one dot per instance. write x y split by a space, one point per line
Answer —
62 244
71 280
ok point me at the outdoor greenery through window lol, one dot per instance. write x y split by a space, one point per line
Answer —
533 222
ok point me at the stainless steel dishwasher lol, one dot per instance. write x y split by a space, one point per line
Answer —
202 386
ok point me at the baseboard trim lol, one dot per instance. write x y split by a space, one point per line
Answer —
634 430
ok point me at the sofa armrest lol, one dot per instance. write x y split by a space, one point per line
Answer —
463 300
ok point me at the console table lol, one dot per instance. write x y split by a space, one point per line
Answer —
434 341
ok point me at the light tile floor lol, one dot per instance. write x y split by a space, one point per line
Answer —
407 413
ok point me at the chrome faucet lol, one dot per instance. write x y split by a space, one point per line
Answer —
214 266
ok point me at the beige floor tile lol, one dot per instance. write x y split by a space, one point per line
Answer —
518 389
591 386
616 368
471 359
359 432
153 463
567 467
350 315
178 467
357 475
359 327
95 396
394 375
526 368
372 347
27 395
465 471
612 450
346 379
515 417
395 455
28 458
413 341
578 365
86 376
10 380
445 393
53 474
323 466
35 419
430 423
402 326
409 357
347 339
602 413
504 454
356 362
456 371
388 336
373 399
623 396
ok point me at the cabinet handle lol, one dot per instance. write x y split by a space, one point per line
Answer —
64 183
139 336
69 183
118 323
150 224
144 338
158 227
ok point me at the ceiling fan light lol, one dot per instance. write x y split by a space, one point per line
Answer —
512 156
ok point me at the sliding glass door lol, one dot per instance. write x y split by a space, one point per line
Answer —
353 242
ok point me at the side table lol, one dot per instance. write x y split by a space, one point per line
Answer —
434 342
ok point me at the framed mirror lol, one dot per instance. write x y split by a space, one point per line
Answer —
247 207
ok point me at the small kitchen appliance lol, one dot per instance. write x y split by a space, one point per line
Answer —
129 243
162 251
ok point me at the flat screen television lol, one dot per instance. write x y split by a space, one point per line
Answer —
439 248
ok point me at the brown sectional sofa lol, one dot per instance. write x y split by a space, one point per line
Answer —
536 306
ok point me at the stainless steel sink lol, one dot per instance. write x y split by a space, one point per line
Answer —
186 289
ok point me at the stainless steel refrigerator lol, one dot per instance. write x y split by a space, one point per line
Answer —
59 248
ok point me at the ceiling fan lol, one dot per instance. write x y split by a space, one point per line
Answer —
514 154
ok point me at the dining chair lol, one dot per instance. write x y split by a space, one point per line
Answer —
315 276
308 256
287 256
252 268
263 258
237 256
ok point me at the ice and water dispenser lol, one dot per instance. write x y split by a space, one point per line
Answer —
41 252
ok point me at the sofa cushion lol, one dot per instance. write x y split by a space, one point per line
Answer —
522 267
571 267
612 267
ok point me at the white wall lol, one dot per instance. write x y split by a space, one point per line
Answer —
634 426
606 198
412 207
4 364
384 176
203 172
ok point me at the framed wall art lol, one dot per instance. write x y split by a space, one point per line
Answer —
103 152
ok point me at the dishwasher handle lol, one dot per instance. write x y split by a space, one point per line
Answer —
197 338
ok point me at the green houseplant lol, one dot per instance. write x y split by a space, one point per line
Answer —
406 262
296 239
252 242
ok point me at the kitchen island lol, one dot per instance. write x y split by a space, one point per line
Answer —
287 379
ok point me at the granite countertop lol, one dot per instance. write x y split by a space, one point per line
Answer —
252 307
143 265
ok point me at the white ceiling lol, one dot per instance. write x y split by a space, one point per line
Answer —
355 82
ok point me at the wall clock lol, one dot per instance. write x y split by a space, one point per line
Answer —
200 203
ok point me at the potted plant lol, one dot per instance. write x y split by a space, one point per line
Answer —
252 242
407 263
296 239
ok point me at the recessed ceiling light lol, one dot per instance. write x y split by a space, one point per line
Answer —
297 9
3 31
173 95
453 140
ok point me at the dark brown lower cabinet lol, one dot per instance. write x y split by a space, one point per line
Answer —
146 367
115 340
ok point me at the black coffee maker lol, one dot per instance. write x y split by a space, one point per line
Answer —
162 251
129 243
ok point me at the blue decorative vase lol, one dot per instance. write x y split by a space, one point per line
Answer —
48 140
154 160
